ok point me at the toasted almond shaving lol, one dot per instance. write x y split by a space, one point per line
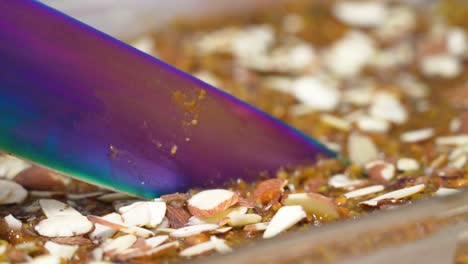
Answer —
361 13
72 241
54 208
285 218
198 249
364 191
11 166
407 164
12 192
220 245
193 230
211 202
256 227
63 251
316 94
118 244
314 203
417 135
458 140
336 122
177 217
388 107
222 230
269 191
372 124
111 197
156 241
244 219
13 223
84 195
64 226
446 191
343 181
380 171
361 149
102 232
141 232
398 194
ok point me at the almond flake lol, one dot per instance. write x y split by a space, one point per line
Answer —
372 124
11 166
133 230
153 251
64 226
336 122
314 203
166 230
119 244
446 191
386 106
407 164
269 191
63 251
458 140
156 241
211 202
442 65
111 197
417 135
13 223
220 245
364 191
285 218
54 208
97 254
84 195
198 249
177 217
380 171
361 149
316 94
244 219
459 162
398 194
457 42
256 227
361 13
102 232
342 181
13 193
193 230
222 230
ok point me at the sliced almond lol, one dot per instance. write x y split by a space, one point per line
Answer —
285 218
13 223
211 202
244 219
15 192
54 208
84 195
342 181
175 196
220 245
111 197
269 191
198 249
256 227
364 191
118 244
11 166
157 211
407 164
193 230
361 149
102 232
62 251
398 194
380 171
46 259
156 241
417 135
4 193
72 241
64 226
446 191
133 230
147 253
458 140
148 214
314 203
177 216
222 230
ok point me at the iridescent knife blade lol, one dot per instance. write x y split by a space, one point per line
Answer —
82 103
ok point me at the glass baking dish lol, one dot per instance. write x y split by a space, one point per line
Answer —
425 232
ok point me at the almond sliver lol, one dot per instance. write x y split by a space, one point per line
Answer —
364 191
13 192
398 194
211 202
244 219
63 251
53 208
285 218
64 226
314 203
193 230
